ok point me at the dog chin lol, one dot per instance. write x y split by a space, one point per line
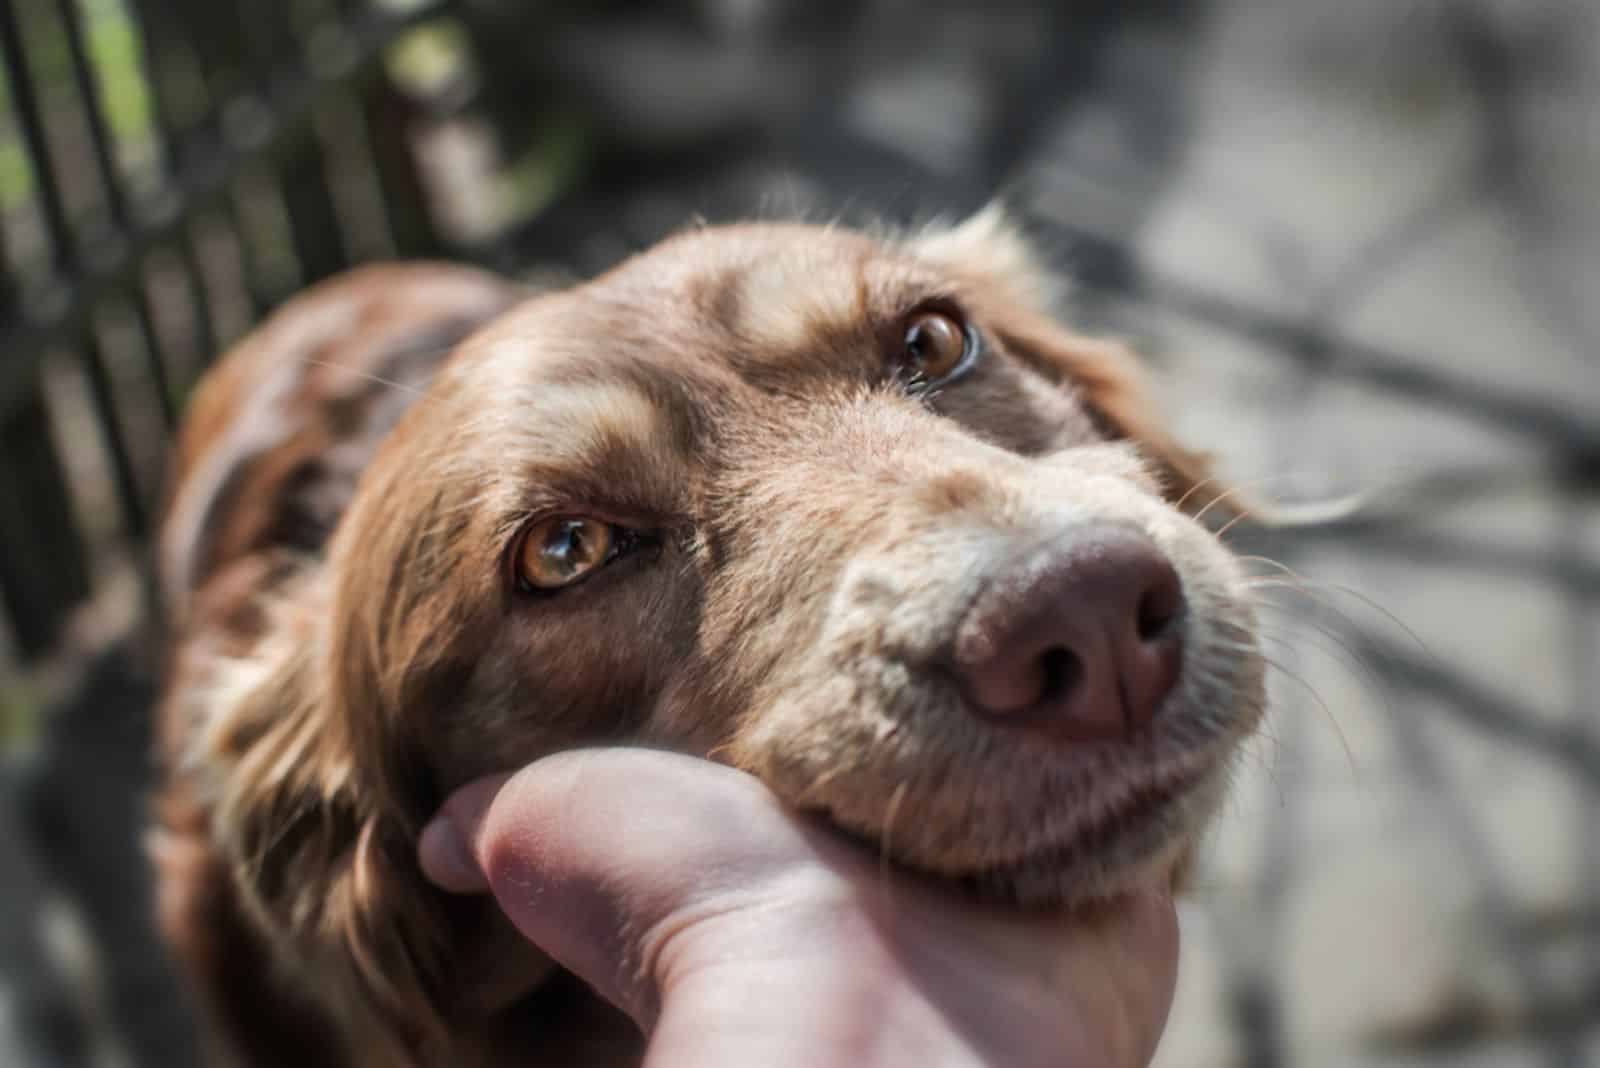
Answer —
1142 845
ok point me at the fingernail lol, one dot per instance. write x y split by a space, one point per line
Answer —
446 859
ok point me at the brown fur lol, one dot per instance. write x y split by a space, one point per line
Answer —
816 531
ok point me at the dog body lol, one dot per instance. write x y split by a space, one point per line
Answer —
856 515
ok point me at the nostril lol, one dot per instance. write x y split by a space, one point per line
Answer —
1158 614
1160 602
1060 669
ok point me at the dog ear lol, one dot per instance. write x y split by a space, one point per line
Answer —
319 860
989 249
276 434
1109 378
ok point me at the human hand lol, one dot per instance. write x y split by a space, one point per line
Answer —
736 932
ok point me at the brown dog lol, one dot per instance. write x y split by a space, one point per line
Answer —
853 514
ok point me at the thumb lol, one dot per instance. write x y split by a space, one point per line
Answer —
445 849
597 855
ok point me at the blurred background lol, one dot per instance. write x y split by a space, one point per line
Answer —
1359 241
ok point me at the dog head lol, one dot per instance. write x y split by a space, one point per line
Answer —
856 515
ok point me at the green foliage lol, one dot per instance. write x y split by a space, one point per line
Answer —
550 166
124 96
19 715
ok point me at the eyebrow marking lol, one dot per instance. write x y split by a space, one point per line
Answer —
609 431
563 423
681 397
720 296
787 302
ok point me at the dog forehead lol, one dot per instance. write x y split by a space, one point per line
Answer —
787 294
697 321
778 288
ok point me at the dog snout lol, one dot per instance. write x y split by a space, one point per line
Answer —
1080 639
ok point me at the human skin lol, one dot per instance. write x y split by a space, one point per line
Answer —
736 932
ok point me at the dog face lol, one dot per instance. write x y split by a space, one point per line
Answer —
849 514
853 514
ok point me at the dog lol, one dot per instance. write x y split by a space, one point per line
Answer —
854 513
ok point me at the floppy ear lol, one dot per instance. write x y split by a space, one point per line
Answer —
318 860
989 249
1111 381
276 434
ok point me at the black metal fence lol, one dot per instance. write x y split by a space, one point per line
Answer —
172 168
169 170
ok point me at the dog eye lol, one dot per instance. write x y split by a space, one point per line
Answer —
938 347
555 553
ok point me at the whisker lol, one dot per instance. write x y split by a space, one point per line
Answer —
1310 588
1268 767
1416 638
1333 721
1357 666
1298 583
891 813
718 751
1218 499
379 379
1352 659
1246 513
809 793
1313 596
1327 711
1237 487
1270 562
1192 490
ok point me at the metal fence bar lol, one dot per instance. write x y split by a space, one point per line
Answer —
116 199
42 568
46 182
204 322
64 258
155 53
101 263
274 55
103 395
386 113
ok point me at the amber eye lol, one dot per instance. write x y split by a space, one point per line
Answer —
558 552
937 347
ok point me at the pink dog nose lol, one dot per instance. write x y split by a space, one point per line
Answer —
1081 639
